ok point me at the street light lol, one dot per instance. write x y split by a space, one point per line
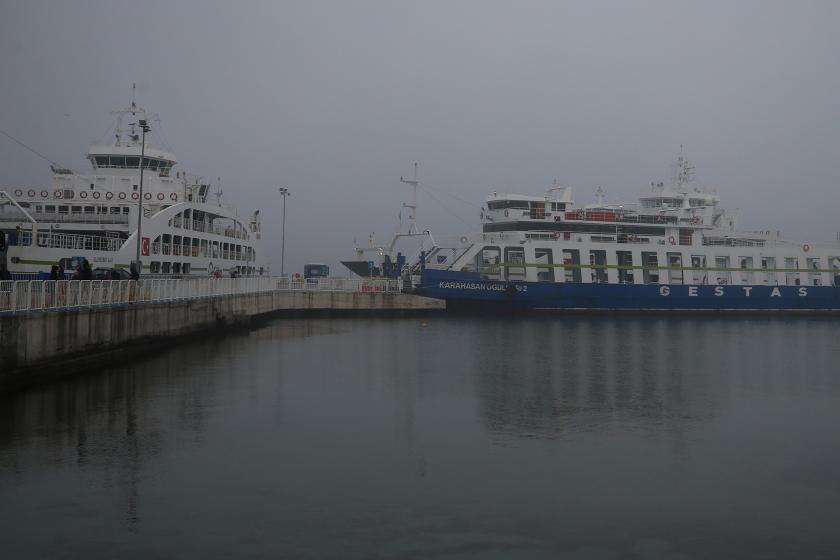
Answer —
284 192
145 128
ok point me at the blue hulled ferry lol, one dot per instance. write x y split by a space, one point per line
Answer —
677 249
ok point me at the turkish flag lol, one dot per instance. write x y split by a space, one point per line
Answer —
144 246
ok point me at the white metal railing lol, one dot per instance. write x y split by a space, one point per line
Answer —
66 217
45 295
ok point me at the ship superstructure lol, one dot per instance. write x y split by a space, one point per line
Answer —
676 249
185 229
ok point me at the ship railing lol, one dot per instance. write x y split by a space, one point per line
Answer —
375 285
66 217
48 295
74 241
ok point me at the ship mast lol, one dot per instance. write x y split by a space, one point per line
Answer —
412 207
683 174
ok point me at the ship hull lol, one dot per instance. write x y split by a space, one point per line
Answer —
467 290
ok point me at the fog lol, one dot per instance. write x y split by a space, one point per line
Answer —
336 100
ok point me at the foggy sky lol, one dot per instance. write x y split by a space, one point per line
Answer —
335 100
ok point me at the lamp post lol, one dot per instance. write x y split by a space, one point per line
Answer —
284 192
145 128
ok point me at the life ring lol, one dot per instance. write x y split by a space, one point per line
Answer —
671 240
173 196
44 194
507 213
556 235
57 193
31 193
18 192
134 196
806 247
160 196
83 194
122 196
109 195
96 194
147 196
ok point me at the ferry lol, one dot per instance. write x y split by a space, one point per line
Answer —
110 216
677 249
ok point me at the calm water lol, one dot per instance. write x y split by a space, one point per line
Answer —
577 437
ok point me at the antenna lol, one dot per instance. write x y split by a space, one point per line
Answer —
218 191
412 207
683 171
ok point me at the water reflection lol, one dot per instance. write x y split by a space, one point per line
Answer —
410 428
549 377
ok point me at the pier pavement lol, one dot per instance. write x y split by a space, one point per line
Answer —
50 329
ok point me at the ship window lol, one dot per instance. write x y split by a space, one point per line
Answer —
598 264
186 268
101 161
49 208
675 268
176 268
543 257
488 261
722 271
63 209
650 270
115 210
571 265
154 267
515 261
505 204
89 210
117 161
624 259
77 209
132 161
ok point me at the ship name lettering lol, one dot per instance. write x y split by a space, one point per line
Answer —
494 287
747 290
803 292
775 293
718 290
692 291
664 291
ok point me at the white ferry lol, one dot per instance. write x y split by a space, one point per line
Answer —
184 231
677 249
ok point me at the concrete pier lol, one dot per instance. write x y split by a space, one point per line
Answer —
41 345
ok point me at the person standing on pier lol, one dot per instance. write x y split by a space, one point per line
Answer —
3 247
87 271
133 271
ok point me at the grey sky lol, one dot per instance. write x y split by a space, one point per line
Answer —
335 100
